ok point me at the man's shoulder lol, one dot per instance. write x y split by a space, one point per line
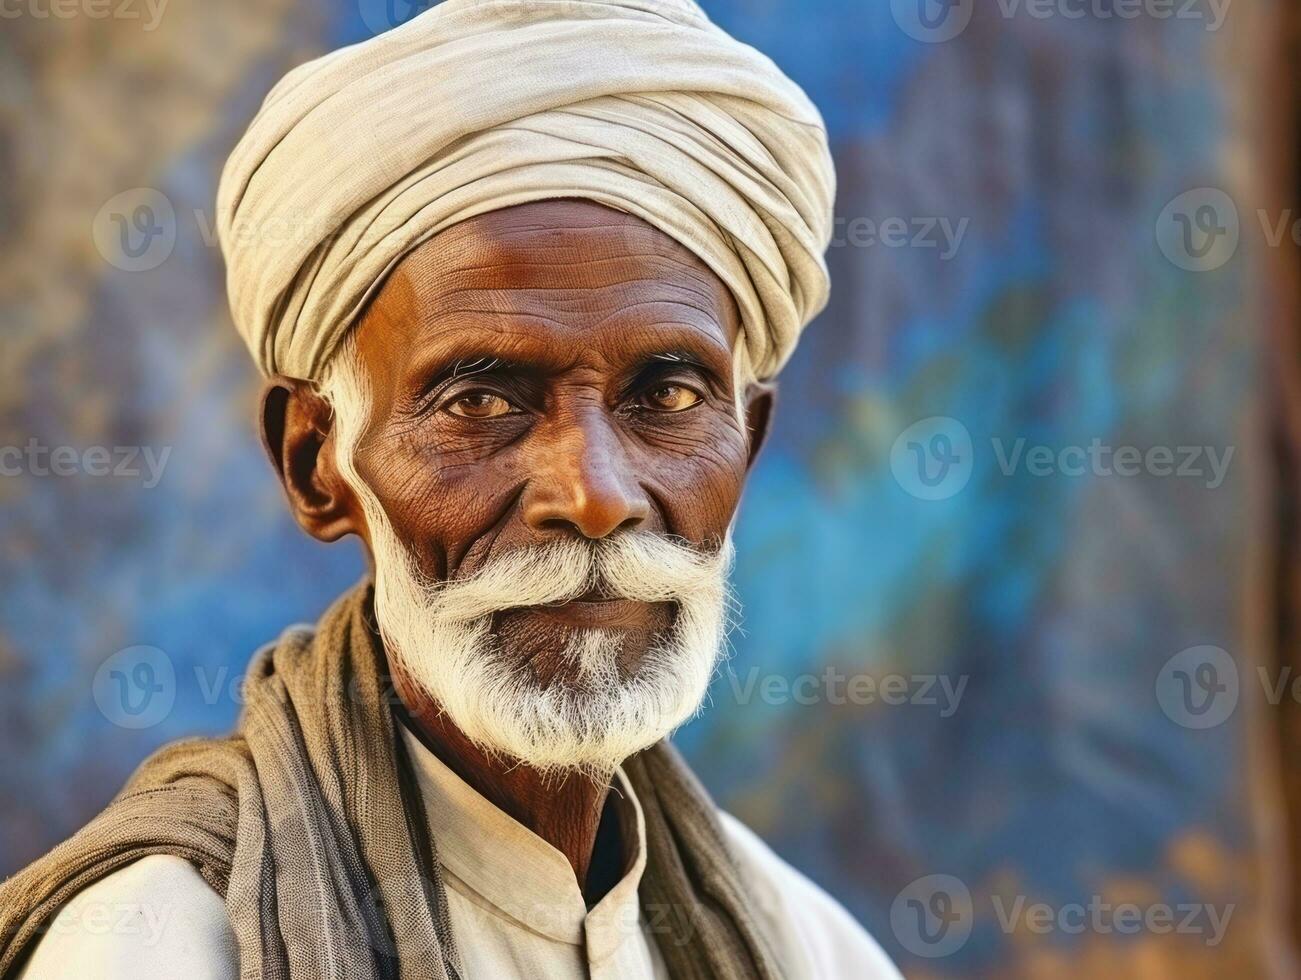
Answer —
155 917
819 937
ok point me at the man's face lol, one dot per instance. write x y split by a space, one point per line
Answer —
552 375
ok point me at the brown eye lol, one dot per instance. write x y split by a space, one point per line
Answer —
480 405
670 398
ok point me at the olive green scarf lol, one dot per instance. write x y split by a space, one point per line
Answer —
307 820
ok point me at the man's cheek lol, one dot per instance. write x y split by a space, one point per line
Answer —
701 495
419 477
452 517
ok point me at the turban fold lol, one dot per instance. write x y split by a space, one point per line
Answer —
641 105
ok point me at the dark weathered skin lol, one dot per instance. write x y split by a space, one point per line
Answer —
587 432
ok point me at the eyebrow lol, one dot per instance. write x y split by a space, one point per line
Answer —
466 366
470 366
717 379
679 357
476 364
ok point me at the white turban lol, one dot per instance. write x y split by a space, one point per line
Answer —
641 105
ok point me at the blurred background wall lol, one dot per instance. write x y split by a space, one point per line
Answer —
1017 565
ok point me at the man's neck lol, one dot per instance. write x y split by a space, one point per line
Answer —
564 810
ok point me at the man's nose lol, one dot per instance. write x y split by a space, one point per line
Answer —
583 482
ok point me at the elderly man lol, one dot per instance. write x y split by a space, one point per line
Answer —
517 273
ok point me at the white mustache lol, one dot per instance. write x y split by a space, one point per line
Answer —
637 565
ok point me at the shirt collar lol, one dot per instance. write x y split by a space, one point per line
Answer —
518 873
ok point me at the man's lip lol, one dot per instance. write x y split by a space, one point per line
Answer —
597 611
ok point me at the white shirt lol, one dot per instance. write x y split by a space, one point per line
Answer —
515 905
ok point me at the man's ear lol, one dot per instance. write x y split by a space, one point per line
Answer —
297 427
760 399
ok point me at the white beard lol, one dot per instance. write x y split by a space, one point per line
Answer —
440 632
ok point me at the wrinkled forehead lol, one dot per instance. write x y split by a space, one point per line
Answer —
550 279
